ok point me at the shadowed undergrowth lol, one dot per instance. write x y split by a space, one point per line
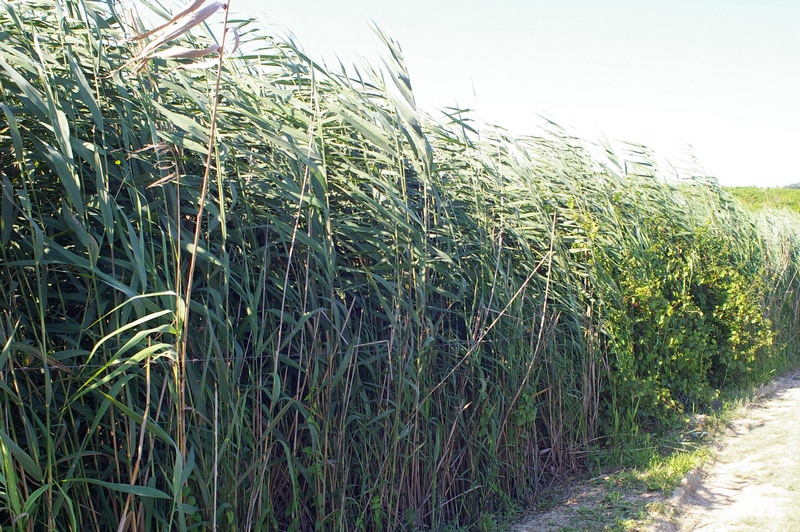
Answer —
272 295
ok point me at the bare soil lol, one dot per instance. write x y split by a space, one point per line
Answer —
754 484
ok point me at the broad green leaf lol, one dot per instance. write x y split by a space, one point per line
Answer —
139 491
28 464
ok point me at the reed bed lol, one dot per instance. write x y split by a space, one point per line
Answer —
267 294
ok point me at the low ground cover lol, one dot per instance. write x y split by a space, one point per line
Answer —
694 475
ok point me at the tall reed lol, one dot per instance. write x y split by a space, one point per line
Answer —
278 296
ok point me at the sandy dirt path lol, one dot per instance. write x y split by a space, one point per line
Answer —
754 483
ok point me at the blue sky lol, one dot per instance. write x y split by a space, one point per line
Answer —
720 76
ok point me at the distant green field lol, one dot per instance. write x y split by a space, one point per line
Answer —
756 198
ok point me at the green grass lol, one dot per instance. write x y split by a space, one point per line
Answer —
757 199
265 294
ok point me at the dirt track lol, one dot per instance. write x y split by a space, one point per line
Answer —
754 484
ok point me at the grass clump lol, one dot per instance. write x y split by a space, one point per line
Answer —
270 295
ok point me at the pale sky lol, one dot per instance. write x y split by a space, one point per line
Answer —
721 76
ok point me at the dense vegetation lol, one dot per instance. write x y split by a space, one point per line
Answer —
277 296
757 198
